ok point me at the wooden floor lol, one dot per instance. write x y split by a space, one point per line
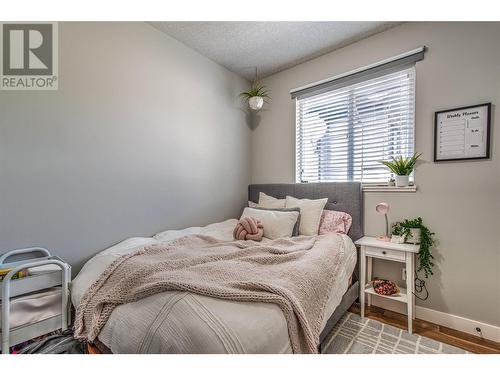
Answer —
433 331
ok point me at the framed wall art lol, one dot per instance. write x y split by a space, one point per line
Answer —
462 133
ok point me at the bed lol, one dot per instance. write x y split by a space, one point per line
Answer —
184 322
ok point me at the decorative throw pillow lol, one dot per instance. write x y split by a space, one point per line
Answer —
276 224
335 221
297 224
266 201
310 213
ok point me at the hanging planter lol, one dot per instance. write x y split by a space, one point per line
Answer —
256 102
256 96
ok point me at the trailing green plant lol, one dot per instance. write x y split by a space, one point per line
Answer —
401 166
257 90
426 242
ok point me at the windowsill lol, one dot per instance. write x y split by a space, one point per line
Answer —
389 189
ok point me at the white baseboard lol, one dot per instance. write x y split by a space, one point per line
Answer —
488 331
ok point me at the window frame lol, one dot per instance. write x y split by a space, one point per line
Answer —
368 186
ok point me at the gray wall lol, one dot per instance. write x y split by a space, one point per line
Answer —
460 201
144 134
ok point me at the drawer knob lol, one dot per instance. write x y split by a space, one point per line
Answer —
384 252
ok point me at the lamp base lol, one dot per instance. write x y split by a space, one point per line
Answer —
384 238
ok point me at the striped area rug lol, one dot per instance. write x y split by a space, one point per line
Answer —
353 335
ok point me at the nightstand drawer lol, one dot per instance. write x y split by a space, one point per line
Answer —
378 252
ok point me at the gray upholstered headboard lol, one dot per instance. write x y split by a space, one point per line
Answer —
342 196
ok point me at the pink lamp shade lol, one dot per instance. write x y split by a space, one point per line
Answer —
383 208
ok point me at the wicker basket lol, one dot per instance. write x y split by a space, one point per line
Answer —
385 287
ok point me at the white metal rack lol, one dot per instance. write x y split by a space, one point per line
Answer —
11 288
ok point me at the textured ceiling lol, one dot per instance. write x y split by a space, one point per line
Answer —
269 46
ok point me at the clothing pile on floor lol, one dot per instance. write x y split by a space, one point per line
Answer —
53 343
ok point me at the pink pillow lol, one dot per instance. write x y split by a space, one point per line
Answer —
334 221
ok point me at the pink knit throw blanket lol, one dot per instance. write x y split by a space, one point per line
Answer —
249 228
297 274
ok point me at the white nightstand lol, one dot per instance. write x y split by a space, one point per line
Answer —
403 253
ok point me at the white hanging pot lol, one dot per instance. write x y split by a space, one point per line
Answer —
256 102
402 181
414 236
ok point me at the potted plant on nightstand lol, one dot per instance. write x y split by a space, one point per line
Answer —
402 168
414 231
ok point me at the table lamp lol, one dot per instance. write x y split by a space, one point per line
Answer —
383 208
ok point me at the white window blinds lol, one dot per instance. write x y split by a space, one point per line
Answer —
343 133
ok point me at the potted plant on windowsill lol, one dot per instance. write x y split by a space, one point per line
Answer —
402 168
256 96
414 231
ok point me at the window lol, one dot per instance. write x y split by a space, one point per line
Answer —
343 133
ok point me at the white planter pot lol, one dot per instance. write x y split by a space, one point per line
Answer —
402 181
414 236
256 102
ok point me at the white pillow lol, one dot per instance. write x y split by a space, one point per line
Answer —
276 223
310 213
266 201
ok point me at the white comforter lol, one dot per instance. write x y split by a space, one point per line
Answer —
180 322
